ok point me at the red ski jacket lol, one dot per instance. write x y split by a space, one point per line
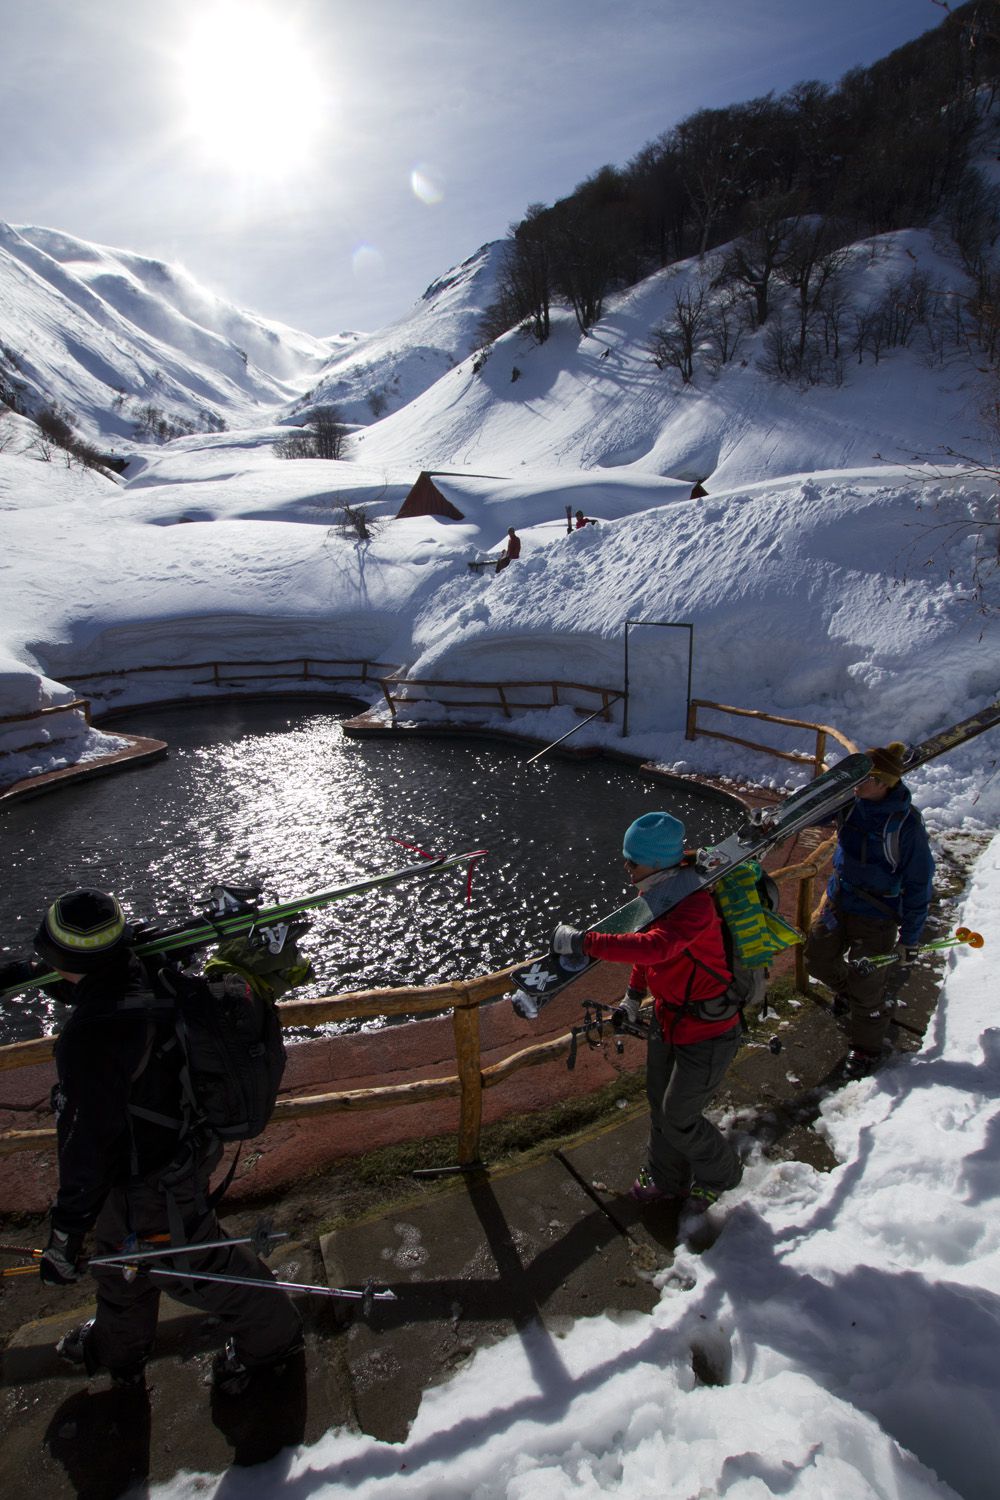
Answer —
678 957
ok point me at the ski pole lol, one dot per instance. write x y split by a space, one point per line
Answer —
31 1270
961 937
582 724
366 1294
260 1241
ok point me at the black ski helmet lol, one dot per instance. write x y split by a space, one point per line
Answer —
81 931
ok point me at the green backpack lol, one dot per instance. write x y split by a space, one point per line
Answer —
754 934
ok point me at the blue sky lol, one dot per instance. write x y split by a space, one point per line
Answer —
321 162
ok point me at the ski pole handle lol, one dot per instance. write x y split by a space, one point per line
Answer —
961 937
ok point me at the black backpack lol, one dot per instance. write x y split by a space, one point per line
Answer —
223 1027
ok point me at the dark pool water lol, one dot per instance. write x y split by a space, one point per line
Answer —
274 794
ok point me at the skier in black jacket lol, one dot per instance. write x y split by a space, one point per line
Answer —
128 1177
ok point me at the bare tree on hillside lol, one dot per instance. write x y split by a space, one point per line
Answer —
323 436
814 258
674 342
755 260
329 432
727 322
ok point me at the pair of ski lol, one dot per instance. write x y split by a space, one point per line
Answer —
234 910
539 981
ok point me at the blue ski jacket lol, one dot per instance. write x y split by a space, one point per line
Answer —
883 851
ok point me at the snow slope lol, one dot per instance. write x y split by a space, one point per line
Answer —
844 595
600 402
386 370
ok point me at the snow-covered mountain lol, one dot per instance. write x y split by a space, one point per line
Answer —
383 372
103 334
107 336
600 401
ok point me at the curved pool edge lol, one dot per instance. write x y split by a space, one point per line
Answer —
139 751
142 751
747 797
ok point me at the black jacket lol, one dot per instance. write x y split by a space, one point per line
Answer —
108 1055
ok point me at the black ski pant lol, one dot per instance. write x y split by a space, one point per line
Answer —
684 1147
827 949
263 1323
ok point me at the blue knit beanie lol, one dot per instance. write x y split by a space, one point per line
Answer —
655 839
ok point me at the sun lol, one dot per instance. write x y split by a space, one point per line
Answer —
250 93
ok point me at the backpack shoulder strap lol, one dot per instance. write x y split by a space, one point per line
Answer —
154 1006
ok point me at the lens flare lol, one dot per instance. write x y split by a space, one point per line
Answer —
367 261
426 185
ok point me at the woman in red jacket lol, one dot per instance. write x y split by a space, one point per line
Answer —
680 958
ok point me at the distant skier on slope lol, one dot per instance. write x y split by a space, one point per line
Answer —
681 959
877 897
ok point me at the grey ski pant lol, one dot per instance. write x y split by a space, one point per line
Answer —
826 959
684 1147
264 1324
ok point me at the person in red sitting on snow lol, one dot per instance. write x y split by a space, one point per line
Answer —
680 958
512 553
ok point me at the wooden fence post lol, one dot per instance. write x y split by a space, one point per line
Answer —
691 731
820 751
465 1019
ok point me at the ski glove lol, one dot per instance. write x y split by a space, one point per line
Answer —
630 1003
60 1262
907 952
568 941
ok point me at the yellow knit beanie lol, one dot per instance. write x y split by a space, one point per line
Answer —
888 762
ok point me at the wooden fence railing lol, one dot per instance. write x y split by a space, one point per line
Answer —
500 690
462 997
822 732
236 673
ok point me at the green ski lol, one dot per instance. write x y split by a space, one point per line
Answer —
234 911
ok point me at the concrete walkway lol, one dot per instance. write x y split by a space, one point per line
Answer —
519 1250
471 1259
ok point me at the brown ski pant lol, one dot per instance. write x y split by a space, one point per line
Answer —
827 952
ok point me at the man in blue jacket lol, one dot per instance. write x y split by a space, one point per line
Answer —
877 898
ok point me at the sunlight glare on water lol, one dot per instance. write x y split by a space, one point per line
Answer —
274 795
